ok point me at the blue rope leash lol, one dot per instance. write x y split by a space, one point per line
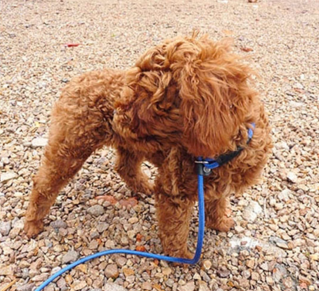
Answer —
204 168
200 238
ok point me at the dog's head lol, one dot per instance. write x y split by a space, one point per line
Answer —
188 90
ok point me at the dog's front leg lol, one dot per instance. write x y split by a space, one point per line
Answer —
128 165
217 213
173 213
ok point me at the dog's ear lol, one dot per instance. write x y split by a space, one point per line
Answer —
215 98
148 106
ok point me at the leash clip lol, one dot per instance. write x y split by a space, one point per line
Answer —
205 167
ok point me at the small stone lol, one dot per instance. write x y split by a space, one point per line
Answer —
314 257
113 287
39 142
279 242
70 256
250 263
58 224
207 264
93 245
292 177
190 286
82 268
96 210
121 261
304 280
124 241
264 266
131 234
223 273
147 286
167 271
288 282
6 271
40 278
7 176
27 287
61 283
252 211
128 272
203 286
111 271
133 220
255 276
244 283
282 145
102 226
5 227
239 229
169 282
79 285
295 104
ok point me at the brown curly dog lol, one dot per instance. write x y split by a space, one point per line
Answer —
185 98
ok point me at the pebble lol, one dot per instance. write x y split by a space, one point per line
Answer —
7 176
96 210
223 273
40 277
62 284
102 226
166 271
190 286
146 286
294 104
292 177
113 287
6 270
111 271
128 272
39 142
284 195
69 257
207 264
133 220
5 227
169 282
80 285
58 224
26 287
121 261
203 286
252 211
93 245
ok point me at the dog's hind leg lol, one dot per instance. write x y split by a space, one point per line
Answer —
71 142
128 165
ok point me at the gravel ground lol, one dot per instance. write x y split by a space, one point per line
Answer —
274 245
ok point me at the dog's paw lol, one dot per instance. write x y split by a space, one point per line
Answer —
32 228
183 254
224 224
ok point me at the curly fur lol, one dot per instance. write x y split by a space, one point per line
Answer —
187 97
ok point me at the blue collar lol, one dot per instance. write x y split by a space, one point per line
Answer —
205 166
